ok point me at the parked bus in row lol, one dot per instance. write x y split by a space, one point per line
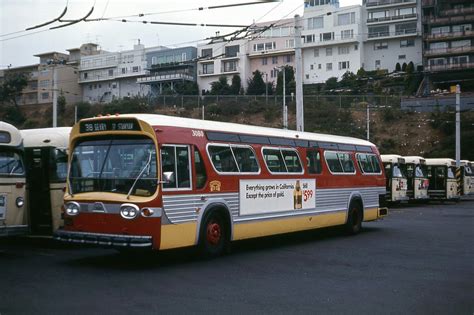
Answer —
161 182
13 214
417 177
467 178
46 172
396 181
443 184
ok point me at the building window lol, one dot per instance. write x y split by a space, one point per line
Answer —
329 66
346 34
264 61
307 76
377 64
230 66
44 95
344 50
232 51
356 47
315 23
288 58
206 53
407 28
135 69
402 56
407 43
346 18
379 31
316 52
309 38
380 45
154 60
275 60
289 43
90 86
44 83
111 72
328 51
184 57
319 66
208 68
459 60
311 67
323 37
411 12
343 65
264 46
124 70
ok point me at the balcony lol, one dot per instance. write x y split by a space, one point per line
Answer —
388 3
451 67
448 51
165 77
392 18
448 36
204 73
461 11
427 3
433 20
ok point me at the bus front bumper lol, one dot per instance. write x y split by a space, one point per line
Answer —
112 240
12 230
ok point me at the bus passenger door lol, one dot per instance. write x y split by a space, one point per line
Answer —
37 178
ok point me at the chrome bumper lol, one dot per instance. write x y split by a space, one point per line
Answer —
12 230
112 240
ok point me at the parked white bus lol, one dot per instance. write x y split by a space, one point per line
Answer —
46 169
396 181
467 177
443 184
417 177
13 215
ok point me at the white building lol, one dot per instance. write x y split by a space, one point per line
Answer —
220 58
332 40
392 33
113 75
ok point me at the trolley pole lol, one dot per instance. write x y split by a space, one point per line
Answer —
299 76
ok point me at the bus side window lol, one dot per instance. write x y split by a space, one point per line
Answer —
201 176
175 162
314 161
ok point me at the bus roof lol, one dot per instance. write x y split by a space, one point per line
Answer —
46 137
207 125
392 158
9 135
445 162
415 159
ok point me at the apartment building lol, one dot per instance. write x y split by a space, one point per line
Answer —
392 33
272 49
167 68
448 41
222 58
113 75
332 40
29 95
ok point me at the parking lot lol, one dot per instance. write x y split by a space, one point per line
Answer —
419 260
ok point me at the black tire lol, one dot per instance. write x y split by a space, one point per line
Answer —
354 219
214 237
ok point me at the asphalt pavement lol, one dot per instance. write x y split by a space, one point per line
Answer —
418 260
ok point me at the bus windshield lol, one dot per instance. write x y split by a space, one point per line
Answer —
397 171
114 165
419 171
11 163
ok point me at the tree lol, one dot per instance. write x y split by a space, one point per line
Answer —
12 86
256 85
361 73
410 67
331 83
236 85
398 68
220 87
349 80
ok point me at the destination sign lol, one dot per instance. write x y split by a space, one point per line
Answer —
109 125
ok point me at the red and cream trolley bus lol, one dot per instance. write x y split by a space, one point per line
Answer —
13 215
164 182
417 177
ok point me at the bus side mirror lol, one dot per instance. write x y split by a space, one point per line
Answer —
167 177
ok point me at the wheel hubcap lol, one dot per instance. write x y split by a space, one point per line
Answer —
214 233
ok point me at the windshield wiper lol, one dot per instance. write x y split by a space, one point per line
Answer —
140 175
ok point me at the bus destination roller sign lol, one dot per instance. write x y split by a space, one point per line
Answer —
109 125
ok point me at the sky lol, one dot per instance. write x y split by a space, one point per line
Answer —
18 47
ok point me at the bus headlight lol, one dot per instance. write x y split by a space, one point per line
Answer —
20 202
72 208
129 211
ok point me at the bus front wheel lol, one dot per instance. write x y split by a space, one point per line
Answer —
354 219
214 235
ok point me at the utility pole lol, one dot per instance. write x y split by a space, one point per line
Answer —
458 126
368 122
285 109
266 88
299 76
55 96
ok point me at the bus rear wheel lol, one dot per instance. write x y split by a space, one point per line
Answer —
214 235
354 220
